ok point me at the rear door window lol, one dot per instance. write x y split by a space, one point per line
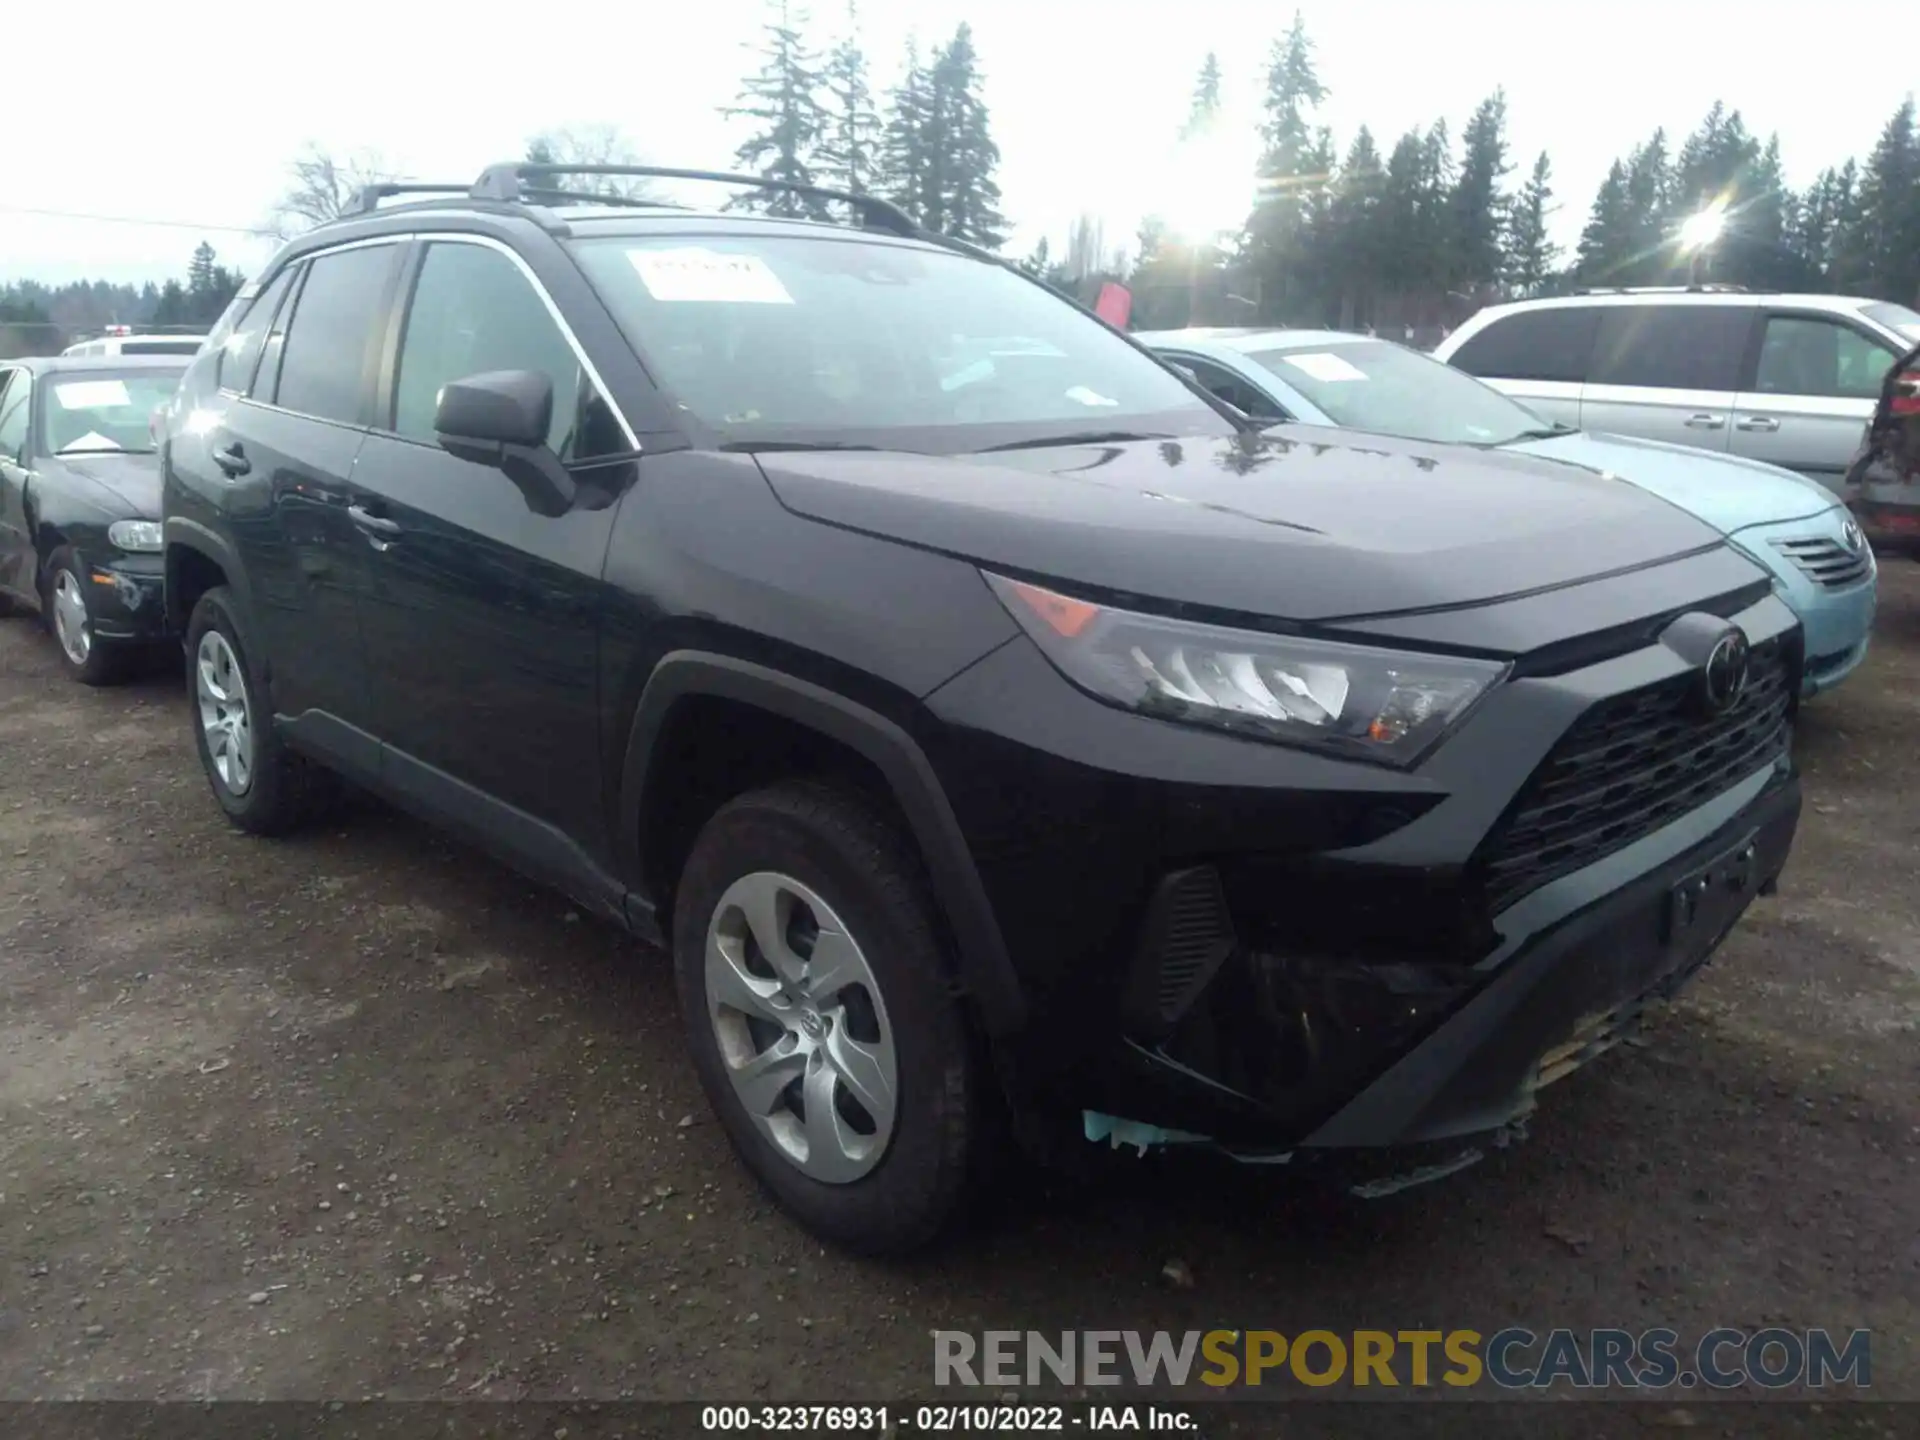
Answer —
332 341
1815 356
1671 347
1551 345
240 350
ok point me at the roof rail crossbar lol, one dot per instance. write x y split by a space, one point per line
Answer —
507 182
542 195
370 196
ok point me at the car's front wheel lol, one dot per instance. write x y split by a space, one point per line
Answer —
812 983
84 656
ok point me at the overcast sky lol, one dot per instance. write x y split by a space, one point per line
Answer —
1085 95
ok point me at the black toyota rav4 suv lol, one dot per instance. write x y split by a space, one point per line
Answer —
992 724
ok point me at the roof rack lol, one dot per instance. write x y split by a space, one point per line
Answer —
508 182
1663 290
370 196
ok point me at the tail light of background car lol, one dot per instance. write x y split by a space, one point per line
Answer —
1905 400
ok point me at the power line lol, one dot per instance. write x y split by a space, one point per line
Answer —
136 220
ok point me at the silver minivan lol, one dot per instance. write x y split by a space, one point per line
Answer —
1788 379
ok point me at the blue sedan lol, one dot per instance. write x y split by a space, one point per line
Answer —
1796 530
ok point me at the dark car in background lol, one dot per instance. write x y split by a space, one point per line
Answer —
80 504
997 729
1883 483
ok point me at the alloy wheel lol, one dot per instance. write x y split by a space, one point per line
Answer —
802 1029
70 626
225 716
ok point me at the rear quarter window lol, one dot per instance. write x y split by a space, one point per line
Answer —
1549 345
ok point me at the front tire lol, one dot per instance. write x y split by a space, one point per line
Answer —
813 987
263 787
83 655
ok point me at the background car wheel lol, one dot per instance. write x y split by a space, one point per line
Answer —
264 787
813 987
69 620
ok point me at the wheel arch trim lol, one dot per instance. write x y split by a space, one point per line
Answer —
179 533
986 968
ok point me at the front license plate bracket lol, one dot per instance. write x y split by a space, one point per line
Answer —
1704 903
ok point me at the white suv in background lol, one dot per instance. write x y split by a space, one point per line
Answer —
138 345
1788 379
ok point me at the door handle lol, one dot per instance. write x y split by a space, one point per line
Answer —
1705 422
373 524
1756 422
232 459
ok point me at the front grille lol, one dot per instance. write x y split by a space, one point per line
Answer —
1629 765
1826 562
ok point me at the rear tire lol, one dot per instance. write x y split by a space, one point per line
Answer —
881 1163
263 787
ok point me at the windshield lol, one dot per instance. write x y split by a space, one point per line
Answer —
1895 317
830 341
1386 388
103 410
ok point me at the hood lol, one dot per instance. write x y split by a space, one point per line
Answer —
126 485
1302 523
1727 492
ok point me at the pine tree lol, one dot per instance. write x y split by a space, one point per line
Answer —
1275 230
783 98
1205 109
201 277
1606 242
1479 207
961 142
1850 266
1646 254
1889 237
1529 255
903 170
1355 265
850 150
1433 255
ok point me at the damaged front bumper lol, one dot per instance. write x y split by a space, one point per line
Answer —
1389 1074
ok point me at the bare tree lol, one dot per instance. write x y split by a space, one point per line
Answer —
322 186
591 145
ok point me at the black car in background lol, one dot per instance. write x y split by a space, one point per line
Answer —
80 504
1883 483
996 729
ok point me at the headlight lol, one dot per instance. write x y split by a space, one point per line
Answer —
135 535
1386 706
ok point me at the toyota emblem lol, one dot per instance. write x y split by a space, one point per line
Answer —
1851 534
1724 677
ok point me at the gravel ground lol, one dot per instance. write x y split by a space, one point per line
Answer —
362 1114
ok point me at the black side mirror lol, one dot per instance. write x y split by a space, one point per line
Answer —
501 407
501 418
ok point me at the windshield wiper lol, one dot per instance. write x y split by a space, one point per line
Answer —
102 450
1543 432
1085 437
757 447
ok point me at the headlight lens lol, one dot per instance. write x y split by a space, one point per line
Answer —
1387 706
135 535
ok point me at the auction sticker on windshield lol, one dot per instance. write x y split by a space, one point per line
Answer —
91 394
1322 365
696 274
